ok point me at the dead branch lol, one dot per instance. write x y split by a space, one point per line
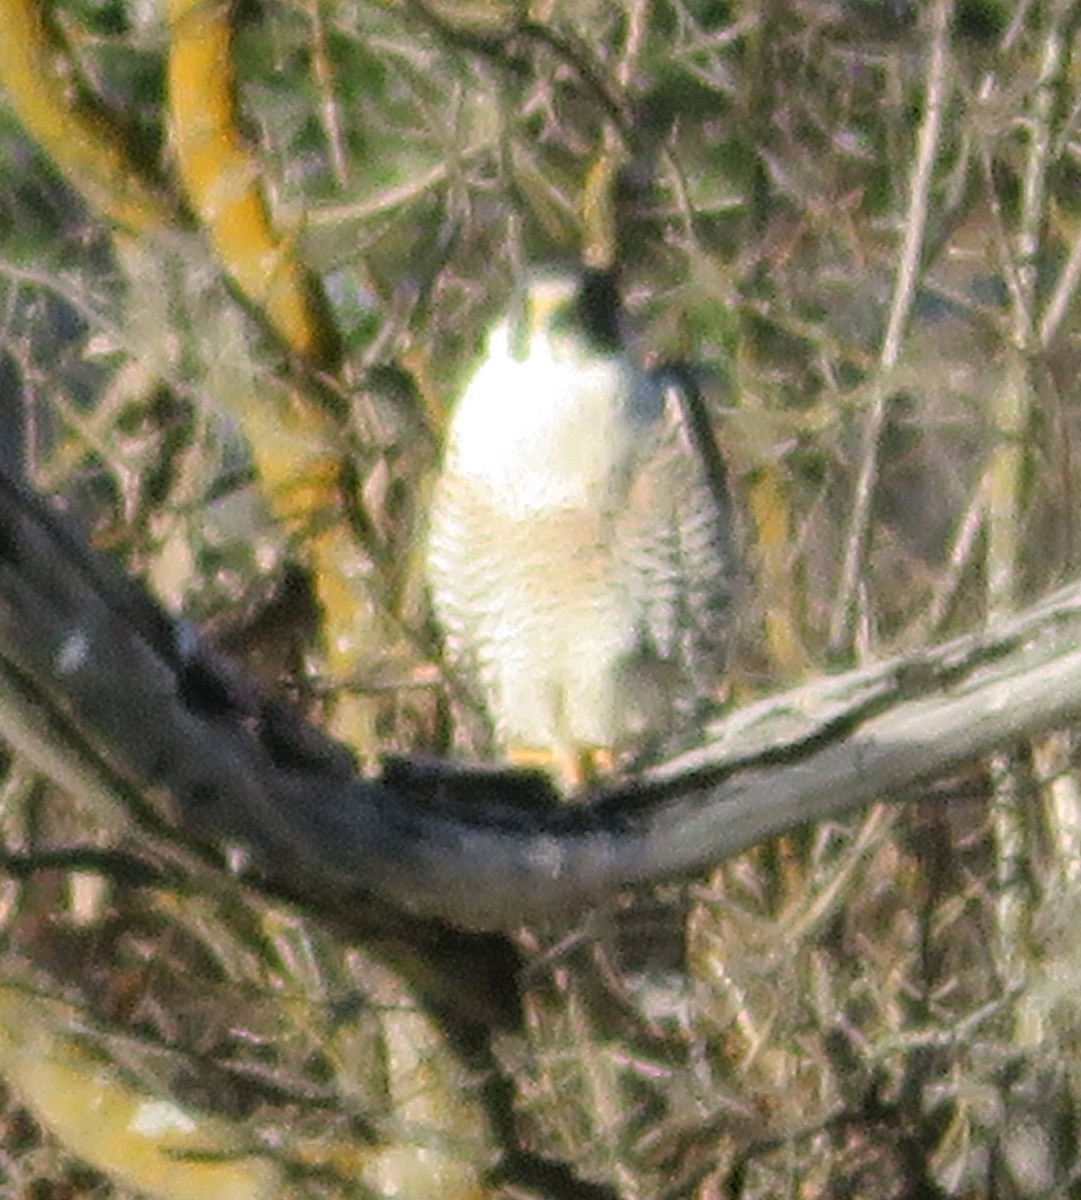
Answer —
102 691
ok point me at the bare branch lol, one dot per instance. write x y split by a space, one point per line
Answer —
83 649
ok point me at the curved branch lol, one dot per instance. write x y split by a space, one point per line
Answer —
71 128
221 178
85 654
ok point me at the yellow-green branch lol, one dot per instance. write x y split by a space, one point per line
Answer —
81 141
221 178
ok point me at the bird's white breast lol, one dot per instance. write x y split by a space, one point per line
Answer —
544 432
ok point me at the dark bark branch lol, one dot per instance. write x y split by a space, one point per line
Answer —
101 690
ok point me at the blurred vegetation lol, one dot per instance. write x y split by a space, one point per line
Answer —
247 256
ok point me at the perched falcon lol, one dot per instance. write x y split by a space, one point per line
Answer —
580 555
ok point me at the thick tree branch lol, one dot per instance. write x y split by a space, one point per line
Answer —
90 667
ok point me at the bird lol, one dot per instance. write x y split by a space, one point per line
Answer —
580 554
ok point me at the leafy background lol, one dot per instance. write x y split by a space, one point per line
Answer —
247 257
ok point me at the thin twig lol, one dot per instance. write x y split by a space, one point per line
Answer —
915 224
960 558
1012 410
328 97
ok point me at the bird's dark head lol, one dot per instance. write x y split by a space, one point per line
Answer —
582 305
599 310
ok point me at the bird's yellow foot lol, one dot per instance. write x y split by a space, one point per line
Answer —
573 769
